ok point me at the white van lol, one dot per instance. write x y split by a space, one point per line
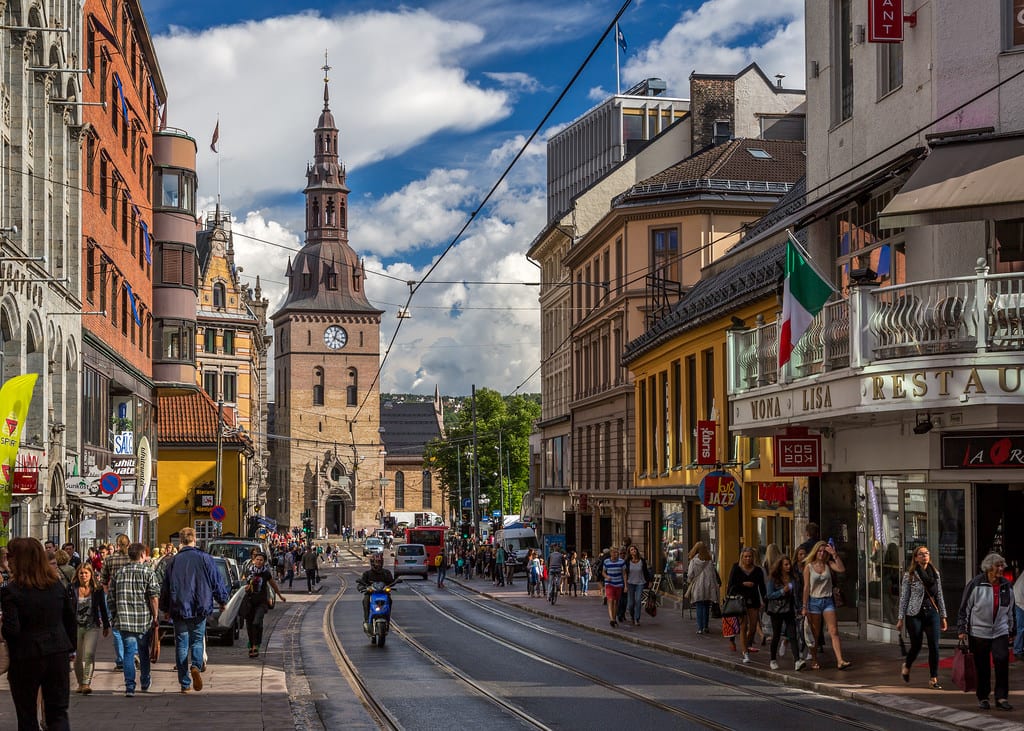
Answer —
517 542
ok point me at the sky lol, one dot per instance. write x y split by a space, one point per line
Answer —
433 100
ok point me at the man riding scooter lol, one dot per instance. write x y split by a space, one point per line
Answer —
375 573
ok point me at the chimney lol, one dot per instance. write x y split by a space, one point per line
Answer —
778 80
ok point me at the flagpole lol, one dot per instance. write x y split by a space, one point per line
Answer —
618 79
218 167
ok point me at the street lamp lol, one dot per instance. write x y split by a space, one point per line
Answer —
384 482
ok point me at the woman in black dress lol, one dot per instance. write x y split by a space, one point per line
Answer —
747 580
257 600
40 629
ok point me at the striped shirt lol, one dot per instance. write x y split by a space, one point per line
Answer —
613 572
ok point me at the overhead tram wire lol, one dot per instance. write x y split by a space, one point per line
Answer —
414 286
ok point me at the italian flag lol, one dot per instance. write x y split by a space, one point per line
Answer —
804 294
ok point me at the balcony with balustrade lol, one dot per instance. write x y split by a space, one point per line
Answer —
906 346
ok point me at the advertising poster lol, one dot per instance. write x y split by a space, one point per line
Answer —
15 396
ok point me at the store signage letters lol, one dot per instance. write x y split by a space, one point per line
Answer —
706 452
982 451
797 455
946 382
719 490
885 21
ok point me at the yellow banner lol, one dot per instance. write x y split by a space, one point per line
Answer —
15 396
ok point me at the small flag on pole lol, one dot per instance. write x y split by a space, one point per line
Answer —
216 136
804 295
620 38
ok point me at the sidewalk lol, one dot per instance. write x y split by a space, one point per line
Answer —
238 692
873 678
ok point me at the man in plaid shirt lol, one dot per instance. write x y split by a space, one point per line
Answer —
134 598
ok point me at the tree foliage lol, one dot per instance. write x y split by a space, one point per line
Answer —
505 419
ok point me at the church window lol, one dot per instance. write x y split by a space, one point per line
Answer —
219 295
352 390
318 386
341 214
330 212
428 497
331 279
314 220
399 491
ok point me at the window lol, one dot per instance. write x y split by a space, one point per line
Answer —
842 55
103 282
177 340
176 189
428 490
176 265
229 342
90 273
861 244
399 491
677 413
318 386
210 340
890 67
691 407
103 182
219 295
758 154
210 383
665 261
231 387
641 418
1010 246
90 161
1013 15
721 131
352 390
632 125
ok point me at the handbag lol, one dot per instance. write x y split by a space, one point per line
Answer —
716 610
964 675
154 646
779 605
733 606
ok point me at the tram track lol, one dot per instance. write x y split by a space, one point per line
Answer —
490 607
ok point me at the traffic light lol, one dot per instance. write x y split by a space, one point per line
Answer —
307 525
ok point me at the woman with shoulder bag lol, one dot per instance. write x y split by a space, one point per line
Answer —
258 601
638 578
818 603
747 580
702 587
781 609
92 619
924 609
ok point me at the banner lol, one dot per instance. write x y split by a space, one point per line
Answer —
15 396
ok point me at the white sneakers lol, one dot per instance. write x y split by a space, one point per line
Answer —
774 665
799 664
746 657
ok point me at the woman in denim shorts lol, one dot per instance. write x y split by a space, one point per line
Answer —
818 602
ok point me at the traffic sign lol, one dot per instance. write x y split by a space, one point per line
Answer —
467 503
110 483
262 532
217 513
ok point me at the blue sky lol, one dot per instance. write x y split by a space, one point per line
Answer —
432 99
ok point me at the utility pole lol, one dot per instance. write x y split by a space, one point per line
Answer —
475 480
220 453
458 467
501 485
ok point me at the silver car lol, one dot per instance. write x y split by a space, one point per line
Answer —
372 546
411 558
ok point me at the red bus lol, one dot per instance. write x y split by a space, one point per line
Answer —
431 536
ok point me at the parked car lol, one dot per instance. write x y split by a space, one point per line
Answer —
232 576
411 558
385 535
373 545
236 548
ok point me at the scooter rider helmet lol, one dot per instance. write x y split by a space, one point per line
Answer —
376 561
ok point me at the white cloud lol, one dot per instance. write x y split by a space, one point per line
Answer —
723 36
262 79
515 80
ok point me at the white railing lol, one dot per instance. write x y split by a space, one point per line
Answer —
960 315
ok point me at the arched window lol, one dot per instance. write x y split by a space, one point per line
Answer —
330 212
428 490
314 219
219 296
352 390
399 491
318 386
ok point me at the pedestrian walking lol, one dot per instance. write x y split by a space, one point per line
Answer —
614 582
39 628
135 612
534 569
818 603
638 577
91 618
703 584
111 565
258 600
289 567
781 606
441 562
191 585
585 573
747 580
985 621
924 609
309 565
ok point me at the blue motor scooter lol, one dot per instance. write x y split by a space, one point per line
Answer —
379 621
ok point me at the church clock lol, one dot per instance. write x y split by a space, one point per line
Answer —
335 337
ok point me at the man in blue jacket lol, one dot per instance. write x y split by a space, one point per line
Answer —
190 587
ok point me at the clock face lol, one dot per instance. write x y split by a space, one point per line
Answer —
335 337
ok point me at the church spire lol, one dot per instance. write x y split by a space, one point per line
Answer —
326 193
326 68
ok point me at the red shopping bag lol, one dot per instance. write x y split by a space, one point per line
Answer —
964 676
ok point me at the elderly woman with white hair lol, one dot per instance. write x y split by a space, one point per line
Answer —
986 619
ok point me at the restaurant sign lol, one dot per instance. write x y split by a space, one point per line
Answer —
885 21
707 452
983 451
719 489
797 455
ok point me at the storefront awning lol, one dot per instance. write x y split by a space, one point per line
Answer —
109 506
962 181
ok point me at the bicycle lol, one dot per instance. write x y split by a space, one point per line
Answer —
555 581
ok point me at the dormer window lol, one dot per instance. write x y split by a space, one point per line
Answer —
219 296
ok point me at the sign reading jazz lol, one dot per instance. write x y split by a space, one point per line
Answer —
706 452
982 451
719 489
885 21
797 456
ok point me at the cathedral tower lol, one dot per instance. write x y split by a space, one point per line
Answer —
327 450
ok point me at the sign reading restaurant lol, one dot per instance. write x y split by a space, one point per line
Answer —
835 394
